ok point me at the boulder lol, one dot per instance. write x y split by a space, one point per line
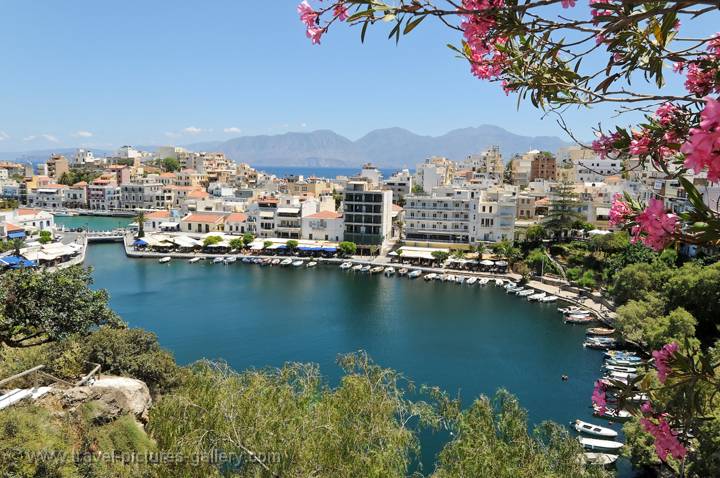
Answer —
110 397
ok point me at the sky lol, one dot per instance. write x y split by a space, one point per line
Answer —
101 74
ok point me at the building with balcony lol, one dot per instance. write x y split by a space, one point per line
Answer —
324 225
368 214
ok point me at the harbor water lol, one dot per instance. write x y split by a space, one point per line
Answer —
466 339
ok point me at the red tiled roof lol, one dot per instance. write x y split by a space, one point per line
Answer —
325 215
236 217
157 215
204 218
198 194
12 227
26 211
80 184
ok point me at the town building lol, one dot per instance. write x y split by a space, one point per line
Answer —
57 165
543 166
324 225
368 214
400 183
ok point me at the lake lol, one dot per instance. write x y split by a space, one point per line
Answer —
467 339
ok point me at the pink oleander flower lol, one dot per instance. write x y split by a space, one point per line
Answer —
714 45
314 34
700 82
341 12
640 144
662 357
646 408
596 12
307 15
598 397
620 211
666 113
655 227
486 62
604 145
702 150
568 3
666 442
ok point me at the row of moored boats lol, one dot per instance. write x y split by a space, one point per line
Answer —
263 261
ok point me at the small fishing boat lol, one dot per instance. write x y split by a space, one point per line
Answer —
275 262
414 274
509 285
619 368
357 267
622 375
389 271
230 260
311 264
376 269
194 260
601 459
218 260
448 278
286 262
526 293
549 298
471 280
623 363
459 279
579 318
609 382
498 282
484 281
257 260
570 310
345 266
623 355
365 269
431 276
538 296
591 344
591 429
297 263
600 331
513 290
597 444
164 260
403 271
612 414
247 260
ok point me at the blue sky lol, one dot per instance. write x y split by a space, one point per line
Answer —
107 73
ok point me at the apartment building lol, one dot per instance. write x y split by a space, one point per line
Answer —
50 196
368 214
440 218
104 193
323 225
434 172
142 194
400 183
489 162
493 219
595 170
543 166
57 165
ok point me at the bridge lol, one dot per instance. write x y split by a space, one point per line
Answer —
115 235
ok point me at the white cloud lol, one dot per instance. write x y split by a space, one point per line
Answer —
170 134
193 130
46 137
82 134
232 129
4 136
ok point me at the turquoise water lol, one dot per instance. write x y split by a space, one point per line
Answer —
465 339
93 223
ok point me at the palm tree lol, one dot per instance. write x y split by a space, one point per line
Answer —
140 219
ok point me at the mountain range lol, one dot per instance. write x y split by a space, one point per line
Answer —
386 148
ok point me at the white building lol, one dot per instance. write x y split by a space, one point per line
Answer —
435 171
324 225
128 152
595 170
83 157
50 196
400 184
372 174
103 196
146 193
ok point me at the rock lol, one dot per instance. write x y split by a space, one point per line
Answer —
110 396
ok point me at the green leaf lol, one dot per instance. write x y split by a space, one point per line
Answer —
412 24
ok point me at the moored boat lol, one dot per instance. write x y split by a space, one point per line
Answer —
498 282
549 298
431 276
218 260
389 271
286 262
592 429
376 270
194 260
484 281
611 413
164 260
357 267
471 280
459 279
414 274
365 269
297 263
513 290
311 264
345 266
579 319
539 296
275 262
597 444
230 259
600 331
619 368
403 271
525 293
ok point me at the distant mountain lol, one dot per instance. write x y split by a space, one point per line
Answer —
388 148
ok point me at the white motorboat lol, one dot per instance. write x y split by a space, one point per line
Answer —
514 289
622 375
509 285
431 276
591 429
549 298
298 263
164 260
365 269
286 262
620 368
357 267
345 266
459 279
539 296
389 271
311 264
570 310
376 270
218 260
230 259
612 413
275 262
414 274
403 271
498 282
448 278
526 293
622 363
602 459
194 260
471 280
597 444
484 281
